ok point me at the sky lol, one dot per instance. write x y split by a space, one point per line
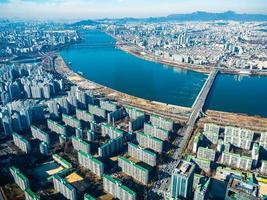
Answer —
95 9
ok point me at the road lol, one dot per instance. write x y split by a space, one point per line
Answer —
162 186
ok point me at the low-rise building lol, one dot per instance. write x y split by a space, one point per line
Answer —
238 189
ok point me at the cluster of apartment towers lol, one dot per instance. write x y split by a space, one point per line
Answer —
82 109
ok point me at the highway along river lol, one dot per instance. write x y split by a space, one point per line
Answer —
99 60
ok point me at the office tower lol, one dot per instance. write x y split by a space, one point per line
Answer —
21 180
156 132
71 121
117 189
148 141
21 142
182 180
79 144
161 122
111 131
142 154
56 127
89 162
138 172
111 147
40 135
65 188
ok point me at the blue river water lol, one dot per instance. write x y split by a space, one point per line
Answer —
99 60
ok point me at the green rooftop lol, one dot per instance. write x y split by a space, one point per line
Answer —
132 163
120 184
88 197
62 161
33 195
149 136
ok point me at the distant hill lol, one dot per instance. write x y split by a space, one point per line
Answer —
85 23
198 16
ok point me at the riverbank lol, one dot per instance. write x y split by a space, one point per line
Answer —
139 52
177 113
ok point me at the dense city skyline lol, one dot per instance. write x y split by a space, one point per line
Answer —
67 10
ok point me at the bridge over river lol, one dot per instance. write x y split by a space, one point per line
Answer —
187 130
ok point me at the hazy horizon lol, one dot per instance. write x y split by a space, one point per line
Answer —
93 9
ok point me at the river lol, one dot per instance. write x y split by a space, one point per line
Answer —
99 60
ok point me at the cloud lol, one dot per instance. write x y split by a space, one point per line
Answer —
80 9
